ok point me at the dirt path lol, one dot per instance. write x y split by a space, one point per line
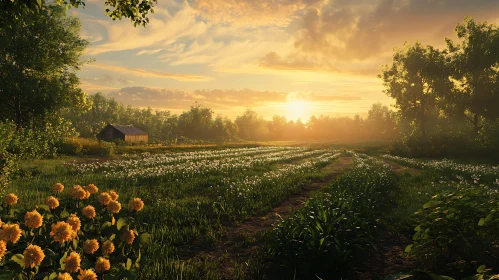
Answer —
400 169
241 243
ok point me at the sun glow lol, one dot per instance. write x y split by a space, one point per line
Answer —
297 109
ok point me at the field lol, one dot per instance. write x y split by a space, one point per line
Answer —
282 212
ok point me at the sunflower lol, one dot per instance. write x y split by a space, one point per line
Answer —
62 232
129 236
107 248
104 198
52 202
3 248
58 188
11 232
114 195
33 219
72 262
114 206
87 275
74 221
91 189
88 211
33 256
10 199
78 192
64 276
90 246
102 265
136 204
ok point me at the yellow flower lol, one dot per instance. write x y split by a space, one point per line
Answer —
58 187
3 248
62 232
74 221
129 236
10 199
33 219
91 189
79 193
72 262
33 256
107 248
114 206
114 195
52 202
104 198
136 204
11 232
88 211
87 275
90 246
64 276
102 265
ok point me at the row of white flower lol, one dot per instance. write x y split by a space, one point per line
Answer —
147 159
207 167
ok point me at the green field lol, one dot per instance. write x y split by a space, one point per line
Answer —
284 212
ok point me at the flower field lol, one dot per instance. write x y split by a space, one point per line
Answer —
158 216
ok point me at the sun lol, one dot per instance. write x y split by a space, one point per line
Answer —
297 109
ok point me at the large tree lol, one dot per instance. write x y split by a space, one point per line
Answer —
39 57
417 80
475 61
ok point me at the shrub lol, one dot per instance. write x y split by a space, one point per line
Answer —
77 234
84 146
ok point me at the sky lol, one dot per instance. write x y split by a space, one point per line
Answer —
295 58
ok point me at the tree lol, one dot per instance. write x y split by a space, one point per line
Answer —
196 123
135 10
39 57
417 80
475 64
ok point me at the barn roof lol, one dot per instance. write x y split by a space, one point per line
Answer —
128 129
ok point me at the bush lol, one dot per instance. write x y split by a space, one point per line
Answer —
84 146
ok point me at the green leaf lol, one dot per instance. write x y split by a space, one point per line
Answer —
481 268
6 275
128 264
481 222
121 223
418 228
18 258
44 207
408 249
61 261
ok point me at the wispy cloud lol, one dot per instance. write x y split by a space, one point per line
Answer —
148 52
149 73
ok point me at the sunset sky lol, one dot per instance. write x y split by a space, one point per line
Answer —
295 58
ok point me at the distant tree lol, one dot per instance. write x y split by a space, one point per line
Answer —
196 123
135 10
39 57
380 122
251 126
475 62
417 79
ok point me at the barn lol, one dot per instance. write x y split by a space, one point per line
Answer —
125 133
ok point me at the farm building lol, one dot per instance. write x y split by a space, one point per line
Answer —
126 133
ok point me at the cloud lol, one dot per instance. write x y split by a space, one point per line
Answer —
148 52
149 73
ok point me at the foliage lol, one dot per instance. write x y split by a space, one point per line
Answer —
84 146
72 227
334 230
39 56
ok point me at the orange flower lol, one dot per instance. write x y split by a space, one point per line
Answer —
90 246
136 204
129 236
33 219
114 195
72 262
114 206
62 232
11 232
33 256
64 276
104 198
74 221
58 187
79 193
91 189
3 248
10 199
107 248
52 202
102 265
88 211
87 275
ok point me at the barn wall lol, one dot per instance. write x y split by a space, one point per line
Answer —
137 138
